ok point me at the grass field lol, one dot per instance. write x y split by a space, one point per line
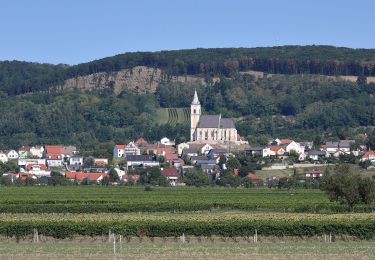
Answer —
173 116
198 250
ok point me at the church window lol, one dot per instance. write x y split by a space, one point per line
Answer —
195 111
212 134
206 135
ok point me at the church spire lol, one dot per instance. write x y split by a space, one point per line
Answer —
195 99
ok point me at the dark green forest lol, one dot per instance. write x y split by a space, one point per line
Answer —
294 103
24 77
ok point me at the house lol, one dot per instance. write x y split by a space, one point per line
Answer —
370 156
290 145
181 147
337 148
206 148
167 142
100 162
258 151
92 177
141 143
307 144
3 157
190 152
141 160
214 153
171 174
130 177
12 155
68 151
38 170
316 155
276 150
75 162
254 178
22 176
314 174
131 149
23 152
22 162
54 157
36 151
194 159
213 170
119 151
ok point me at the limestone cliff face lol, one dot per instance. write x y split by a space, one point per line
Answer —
142 79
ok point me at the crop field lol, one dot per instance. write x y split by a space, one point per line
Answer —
122 199
173 116
213 222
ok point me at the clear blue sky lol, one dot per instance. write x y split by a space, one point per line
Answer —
75 31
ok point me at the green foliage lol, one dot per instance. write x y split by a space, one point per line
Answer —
348 187
196 177
153 176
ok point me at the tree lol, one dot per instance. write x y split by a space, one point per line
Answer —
113 176
347 186
196 177
56 179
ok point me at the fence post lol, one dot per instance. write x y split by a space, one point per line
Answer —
114 247
121 249
330 237
256 236
109 236
183 238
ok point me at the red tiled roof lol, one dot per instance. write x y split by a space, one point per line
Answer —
368 154
141 142
285 141
120 146
275 148
54 149
80 176
30 166
170 172
253 177
24 149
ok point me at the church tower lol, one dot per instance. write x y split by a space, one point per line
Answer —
195 114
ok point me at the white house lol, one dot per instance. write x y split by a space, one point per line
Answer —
205 149
36 151
181 147
38 169
119 151
316 155
12 155
337 148
131 149
76 161
166 141
290 145
22 162
3 157
141 160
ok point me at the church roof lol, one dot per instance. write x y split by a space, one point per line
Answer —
195 99
215 121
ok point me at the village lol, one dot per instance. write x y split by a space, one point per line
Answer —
174 160
215 147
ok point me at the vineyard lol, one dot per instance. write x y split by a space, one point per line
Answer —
232 224
63 212
173 116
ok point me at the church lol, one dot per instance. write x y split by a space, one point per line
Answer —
210 128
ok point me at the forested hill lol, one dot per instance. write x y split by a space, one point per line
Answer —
22 77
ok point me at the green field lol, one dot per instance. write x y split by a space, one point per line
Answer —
193 250
96 199
173 116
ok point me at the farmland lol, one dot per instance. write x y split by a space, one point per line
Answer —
122 199
214 222
173 116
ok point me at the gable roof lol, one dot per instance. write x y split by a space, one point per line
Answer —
275 148
368 154
54 149
285 141
120 146
215 121
170 172
253 177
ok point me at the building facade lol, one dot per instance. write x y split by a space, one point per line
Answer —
210 128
